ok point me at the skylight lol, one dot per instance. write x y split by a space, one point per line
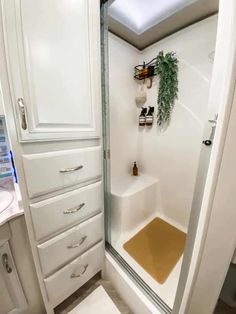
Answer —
140 15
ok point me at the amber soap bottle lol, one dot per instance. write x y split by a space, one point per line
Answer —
135 169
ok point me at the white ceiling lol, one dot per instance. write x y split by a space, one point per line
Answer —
140 15
144 22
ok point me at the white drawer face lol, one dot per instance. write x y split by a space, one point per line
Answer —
59 212
48 172
58 251
67 280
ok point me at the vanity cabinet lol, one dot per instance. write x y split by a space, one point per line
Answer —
12 298
53 52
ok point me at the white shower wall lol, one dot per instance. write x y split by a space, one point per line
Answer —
171 156
123 112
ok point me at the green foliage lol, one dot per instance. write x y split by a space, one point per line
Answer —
167 69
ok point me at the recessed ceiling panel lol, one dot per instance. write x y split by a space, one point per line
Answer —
140 15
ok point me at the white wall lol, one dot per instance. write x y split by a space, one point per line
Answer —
123 112
172 156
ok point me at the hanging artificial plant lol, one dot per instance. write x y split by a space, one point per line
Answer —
167 69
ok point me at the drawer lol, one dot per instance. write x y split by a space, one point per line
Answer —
70 278
58 251
62 211
48 172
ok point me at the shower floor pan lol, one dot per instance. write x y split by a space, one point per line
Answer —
135 202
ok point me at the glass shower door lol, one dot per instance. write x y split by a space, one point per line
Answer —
120 214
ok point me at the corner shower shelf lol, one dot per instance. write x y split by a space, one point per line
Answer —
145 70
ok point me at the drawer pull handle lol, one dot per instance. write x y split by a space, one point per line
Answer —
5 263
74 210
83 271
81 241
65 170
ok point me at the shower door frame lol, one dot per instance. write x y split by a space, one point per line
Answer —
225 50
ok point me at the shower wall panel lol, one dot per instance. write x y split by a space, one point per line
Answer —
170 156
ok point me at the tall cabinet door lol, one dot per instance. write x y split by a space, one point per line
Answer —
53 52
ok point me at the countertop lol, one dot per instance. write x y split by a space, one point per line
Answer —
14 210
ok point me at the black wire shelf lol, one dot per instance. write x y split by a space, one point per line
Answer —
146 70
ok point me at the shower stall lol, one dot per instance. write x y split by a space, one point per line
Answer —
147 216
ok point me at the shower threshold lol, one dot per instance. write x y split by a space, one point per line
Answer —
126 281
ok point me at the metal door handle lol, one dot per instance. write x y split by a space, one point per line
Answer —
213 123
74 210
21 106
83 271
65 170
213 127
5 263
81 241
207 142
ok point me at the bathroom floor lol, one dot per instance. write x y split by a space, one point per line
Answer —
223 308
90 287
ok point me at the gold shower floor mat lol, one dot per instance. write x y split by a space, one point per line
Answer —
157 248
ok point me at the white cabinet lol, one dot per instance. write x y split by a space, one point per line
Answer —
53 51
64 282
63 169
50 56
60 250
12 299
65 210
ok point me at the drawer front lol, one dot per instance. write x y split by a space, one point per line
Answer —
48 172
60 212
58 251
67 280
